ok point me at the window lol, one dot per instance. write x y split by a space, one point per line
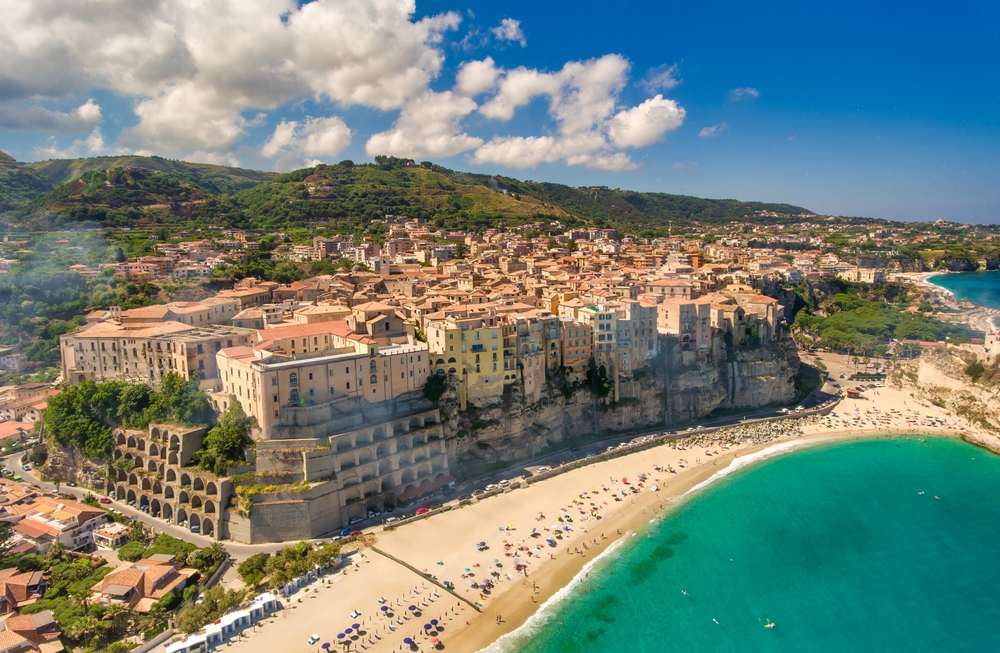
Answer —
201 365
293 379
200 349
348 385
374 378
372 366
274 380
274 398
347 370
310 376
312 392
293 396
218 345
331 389
331 372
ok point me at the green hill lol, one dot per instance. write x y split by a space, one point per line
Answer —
19 183
145 191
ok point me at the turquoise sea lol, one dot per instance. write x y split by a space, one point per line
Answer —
884 545
980 288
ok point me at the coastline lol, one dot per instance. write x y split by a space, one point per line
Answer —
442 546
983 318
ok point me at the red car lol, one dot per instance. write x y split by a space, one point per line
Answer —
105 500
421 511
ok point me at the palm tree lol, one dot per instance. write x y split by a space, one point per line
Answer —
84 629
117 616
153 622
80 601
58 550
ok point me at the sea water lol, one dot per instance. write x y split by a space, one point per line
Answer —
980 288
879 545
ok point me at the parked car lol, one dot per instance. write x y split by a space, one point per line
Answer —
354 520
435 506
491 487
196 528
476 492
542 470
465 497
312 640
26 468
392 520
421 511
70 484
504 483
345 532
105 500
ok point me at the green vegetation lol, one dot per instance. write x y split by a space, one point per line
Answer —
975 371
223 445
434 387
288 563
83 416
20 183
217 601
855 324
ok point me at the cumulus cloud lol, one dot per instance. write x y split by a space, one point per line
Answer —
427 126
744 93
475 77
195 66
92 145
714 130
583 99
662 78
509 30
303 143
645 124
37 118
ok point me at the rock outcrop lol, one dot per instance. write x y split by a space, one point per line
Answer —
68 464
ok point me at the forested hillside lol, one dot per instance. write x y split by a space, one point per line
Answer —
147 191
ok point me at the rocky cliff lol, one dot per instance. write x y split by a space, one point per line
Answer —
677 387
67 464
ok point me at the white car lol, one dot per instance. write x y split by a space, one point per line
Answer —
504 483
542 470
490 487
312 640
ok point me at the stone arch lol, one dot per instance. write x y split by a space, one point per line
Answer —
172 458
157 487
185 479
440 476
424 469
143 501
363 438
210 489
368 473
197 484
154 433
207 527
182 515
163 453
414 424
378 433
154 449
365 456
130 443
209 507
139 463
195 501
409 488
175 442
439 361
383 450
183 497
141 444
408 476
429 419
154 507
133 479
120 475
117 454
121 438
349 478
168 492
171 476
128 455
120 493
109 489
167 511
344 444
146 485
151 466
386 485
195 520
130 496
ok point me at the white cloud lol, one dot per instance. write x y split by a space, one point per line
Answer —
583 102
744 93
92 145
298 144
509 30
645 124
475 77
427 126
714 130
37 118
662 78
196 66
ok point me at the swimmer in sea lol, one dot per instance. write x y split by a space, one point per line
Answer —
716 621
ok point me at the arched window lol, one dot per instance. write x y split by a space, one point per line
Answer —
374 378
293 379
372 367
293 396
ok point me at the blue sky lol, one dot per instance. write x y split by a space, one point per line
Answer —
888 109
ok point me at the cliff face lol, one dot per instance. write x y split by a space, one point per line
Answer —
676 388
67 464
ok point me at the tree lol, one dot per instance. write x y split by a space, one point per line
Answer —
132 551
251 570
84 629
223 446
6 539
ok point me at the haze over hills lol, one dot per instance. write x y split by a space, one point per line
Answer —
143 191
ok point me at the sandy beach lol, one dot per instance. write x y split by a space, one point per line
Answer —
591 507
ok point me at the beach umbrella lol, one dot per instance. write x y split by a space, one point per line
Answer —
326 645
341 636
434 622
385 608
412 607
355 626
434 640
427 626
348 631
407 640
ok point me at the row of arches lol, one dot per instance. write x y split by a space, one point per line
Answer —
172 443
170 475
175 513
146 494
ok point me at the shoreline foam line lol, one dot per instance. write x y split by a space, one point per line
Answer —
741 462
544 612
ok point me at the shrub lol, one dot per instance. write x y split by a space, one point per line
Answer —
132 551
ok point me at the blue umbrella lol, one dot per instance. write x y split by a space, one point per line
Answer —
347 631
326 645
412 607
385 608
407 641
434 622
341 636
355 626
427 626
